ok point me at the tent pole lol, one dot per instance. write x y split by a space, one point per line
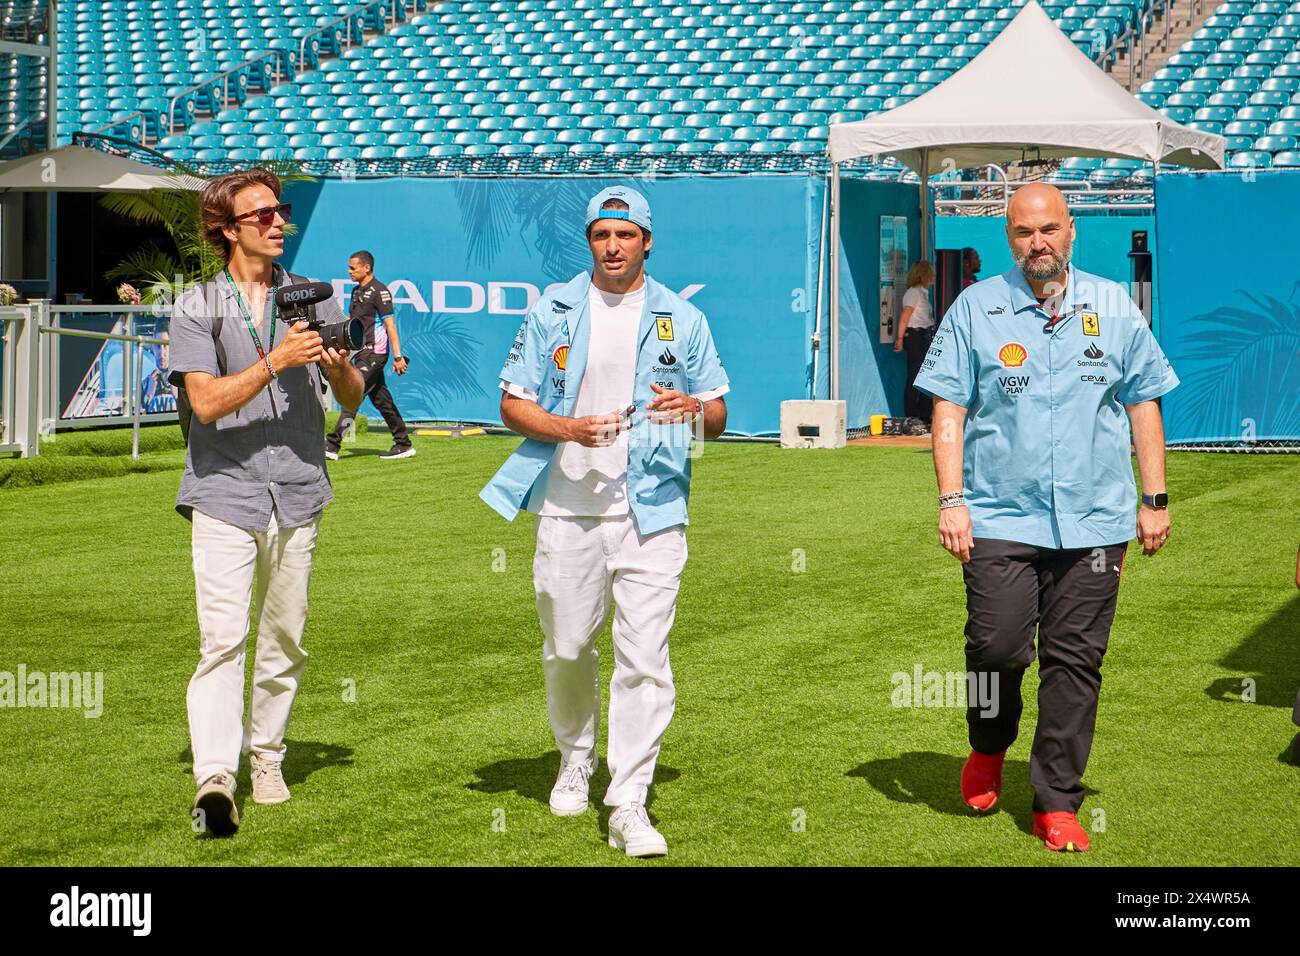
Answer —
925 205
821 269
833 392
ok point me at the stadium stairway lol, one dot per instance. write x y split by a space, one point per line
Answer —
1184 20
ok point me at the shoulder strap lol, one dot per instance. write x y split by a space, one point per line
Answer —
217 321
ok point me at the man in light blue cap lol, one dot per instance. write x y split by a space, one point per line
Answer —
1037 376
608 379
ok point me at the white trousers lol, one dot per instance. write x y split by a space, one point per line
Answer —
229 563
579 565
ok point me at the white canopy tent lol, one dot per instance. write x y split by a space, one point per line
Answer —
1030 94
79 169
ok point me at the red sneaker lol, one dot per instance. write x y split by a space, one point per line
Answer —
981 780
1061 831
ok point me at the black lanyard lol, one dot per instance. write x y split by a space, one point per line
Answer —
248 319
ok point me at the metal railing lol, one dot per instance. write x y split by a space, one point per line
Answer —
224 78
211 81
276 54
998 189
19 397
30 399
349 17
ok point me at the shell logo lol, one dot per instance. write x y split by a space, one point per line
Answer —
1012 355
561 356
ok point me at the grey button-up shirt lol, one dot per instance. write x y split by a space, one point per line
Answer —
271 452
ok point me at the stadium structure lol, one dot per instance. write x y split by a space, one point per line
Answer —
477 129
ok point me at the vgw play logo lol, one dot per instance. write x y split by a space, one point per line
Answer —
463 296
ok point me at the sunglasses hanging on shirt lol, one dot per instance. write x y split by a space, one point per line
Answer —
1052 322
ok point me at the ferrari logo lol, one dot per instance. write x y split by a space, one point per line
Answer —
1091 324
665 328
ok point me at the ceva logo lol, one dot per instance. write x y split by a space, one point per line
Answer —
465 297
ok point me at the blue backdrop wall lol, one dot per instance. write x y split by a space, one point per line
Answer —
1230 304
465 258
872 374
1101 244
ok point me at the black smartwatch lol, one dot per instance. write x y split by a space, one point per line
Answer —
1160 500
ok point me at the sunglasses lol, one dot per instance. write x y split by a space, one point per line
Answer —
266 215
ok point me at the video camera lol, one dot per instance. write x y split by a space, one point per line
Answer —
295 302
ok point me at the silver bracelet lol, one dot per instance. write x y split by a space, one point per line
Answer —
955 500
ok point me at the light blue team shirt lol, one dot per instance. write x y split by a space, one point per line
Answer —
1046 447
549 356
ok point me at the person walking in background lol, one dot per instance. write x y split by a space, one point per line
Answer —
372 305
970 267
915 331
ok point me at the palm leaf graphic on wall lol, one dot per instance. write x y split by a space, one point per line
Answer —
547 218
1233 352
444 352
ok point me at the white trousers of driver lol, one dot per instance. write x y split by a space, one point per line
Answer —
580 564
230 564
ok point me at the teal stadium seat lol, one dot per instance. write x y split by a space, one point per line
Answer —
693 73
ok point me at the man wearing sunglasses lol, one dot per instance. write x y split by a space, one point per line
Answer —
254 486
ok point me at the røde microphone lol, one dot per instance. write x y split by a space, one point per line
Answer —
292 297
294 302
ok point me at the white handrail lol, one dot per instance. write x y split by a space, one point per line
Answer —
348 17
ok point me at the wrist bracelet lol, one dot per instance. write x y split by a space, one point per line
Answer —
269 367
955 500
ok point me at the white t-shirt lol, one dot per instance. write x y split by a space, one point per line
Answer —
918 297
592 482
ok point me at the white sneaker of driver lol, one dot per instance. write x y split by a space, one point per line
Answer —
631 831
569 795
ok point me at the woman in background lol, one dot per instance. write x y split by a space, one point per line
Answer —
915 330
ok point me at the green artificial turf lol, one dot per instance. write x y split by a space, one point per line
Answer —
813 578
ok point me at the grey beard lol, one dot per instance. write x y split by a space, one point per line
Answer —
1037 273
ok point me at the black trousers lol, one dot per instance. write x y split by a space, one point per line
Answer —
1068 597
916 342
371 367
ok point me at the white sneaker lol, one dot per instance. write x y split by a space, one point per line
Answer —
630 830
331 454
216 801
268 781
569 795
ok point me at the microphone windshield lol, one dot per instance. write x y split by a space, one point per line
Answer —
302 295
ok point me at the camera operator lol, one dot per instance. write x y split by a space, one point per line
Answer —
254 486
372 306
